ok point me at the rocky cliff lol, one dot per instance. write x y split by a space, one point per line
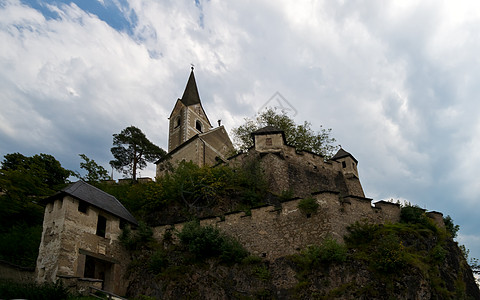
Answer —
391 261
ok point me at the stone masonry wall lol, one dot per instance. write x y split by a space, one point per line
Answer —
272 233
69 235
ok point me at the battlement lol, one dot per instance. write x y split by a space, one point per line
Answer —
273 232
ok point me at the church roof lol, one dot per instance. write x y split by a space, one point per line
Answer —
190 95
96 197
341 154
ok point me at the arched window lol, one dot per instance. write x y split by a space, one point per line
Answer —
198 125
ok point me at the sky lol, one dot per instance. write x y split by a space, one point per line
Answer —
397 81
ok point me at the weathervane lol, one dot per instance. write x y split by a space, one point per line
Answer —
192 66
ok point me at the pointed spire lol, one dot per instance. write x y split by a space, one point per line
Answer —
190 95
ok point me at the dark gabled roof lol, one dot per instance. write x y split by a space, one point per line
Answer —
96 197
190 95
267 130
341 154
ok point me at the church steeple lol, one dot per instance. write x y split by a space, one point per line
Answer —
190 95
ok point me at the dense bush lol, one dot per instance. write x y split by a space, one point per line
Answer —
193 187
329 251
412 214
308 205
361 233
451 228
31 291
19 244
158 261
389 255
138 239
207 241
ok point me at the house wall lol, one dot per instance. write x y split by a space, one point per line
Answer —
69 236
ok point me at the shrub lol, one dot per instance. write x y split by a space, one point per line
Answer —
31 291
262 272
207 241
157 262
361 233
141 238
308 205
19 244
451 228
438 254
389 255
412 214
328 252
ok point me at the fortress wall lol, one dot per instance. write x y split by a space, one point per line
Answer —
275 232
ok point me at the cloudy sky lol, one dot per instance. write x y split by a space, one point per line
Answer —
397 81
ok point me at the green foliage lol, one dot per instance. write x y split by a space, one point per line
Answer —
251 260
330 251
158 261
95 172
25 181
412 214
31 291
19 244
308 205
302 136
37 176
141 238
451 228
262 272
416 215
361 233
196 187
132 150
438 253
389 255
207 241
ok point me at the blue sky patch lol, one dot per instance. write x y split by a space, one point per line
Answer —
117 15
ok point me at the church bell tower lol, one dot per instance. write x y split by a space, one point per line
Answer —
188 117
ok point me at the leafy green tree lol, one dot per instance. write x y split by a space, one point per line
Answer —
24 181
302 136
42 174
95 172
132 150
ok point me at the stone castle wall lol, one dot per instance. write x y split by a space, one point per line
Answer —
275 232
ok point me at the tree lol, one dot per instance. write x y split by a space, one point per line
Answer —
24 181
95 172
132 150
302 136
38 175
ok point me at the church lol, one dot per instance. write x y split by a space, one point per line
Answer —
191 136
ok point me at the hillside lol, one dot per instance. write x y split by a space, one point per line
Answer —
412 259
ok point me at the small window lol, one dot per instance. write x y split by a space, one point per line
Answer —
101 226
344 165
198 125
122 224
177 122
268 142
82 207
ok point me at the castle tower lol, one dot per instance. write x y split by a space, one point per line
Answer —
188 117
349 163
80 242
